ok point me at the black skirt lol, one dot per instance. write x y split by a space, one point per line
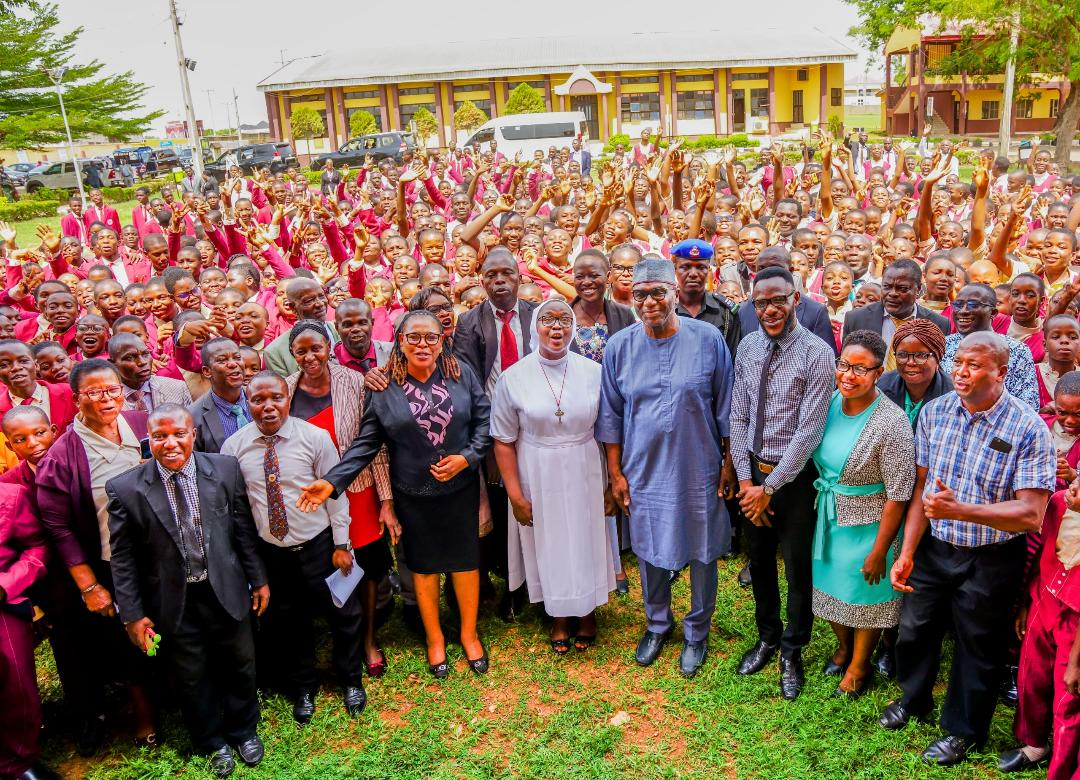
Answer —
441 534
374 558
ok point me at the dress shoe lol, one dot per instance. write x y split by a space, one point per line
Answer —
222 762
355 699
440 671
885 661
481 664
91 736
756 658
792 677
648 649
693 656
251 750
833 669
948 751
39 772
744 577
1009 694
304 708
896 716
1017 761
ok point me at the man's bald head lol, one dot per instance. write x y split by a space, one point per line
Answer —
993 344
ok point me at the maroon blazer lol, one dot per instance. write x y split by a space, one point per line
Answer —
22 543
1072 457
66 499
61 404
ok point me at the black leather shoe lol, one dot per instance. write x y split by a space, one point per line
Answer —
756 658
251 750
896 716
885 661
1016 761
303 708
648 649
833 669
39 772
440 671
91 736
948 751
1009 694
792 677
693 656
744 576
222 762
481 664
355 699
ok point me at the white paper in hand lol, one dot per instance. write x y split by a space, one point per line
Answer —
342 585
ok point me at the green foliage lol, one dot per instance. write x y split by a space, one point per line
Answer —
306 123
47 193
469 117
29 208
525 100
426 126
835 125
615 140
96 103
362 123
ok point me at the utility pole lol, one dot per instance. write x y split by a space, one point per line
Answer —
184 65
56 76
236 111
210 105
1004 129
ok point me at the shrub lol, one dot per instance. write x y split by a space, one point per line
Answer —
426 126
469 117
47 193
524 100
618 138
362 123
28 208
306 123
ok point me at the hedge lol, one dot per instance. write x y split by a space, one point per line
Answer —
699 144
28 208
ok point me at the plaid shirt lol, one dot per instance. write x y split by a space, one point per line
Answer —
189 484
802 378
955 447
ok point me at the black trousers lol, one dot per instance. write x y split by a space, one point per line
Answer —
792 534
213 660
297 589
972 590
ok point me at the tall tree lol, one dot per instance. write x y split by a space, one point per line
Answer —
1049 43
362 123
426 126
525 100
96 103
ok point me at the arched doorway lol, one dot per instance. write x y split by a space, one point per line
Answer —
584 91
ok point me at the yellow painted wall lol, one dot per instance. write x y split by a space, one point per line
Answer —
1042 98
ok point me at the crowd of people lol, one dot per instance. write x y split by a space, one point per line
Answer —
250 404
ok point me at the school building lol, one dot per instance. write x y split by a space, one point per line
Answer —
957 105
699 83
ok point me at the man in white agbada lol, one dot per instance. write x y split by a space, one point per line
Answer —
542 416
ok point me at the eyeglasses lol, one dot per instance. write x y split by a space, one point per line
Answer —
416 339
918 358
656 293
842 367
441 308
778 301
549 320
99 393
622 270
83 327
970 305
183 296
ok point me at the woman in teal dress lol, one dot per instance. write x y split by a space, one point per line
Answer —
866 462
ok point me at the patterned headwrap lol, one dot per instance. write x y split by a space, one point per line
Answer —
926 332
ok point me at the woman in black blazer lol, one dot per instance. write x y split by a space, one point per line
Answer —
598 317
433 420
918 346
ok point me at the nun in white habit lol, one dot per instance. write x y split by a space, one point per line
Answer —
542 415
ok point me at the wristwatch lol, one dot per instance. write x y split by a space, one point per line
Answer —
343 547
768 490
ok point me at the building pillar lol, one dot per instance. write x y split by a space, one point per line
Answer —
384 99
618 104
272 115
962 128
286 120
547 92
331 118
773 128
888 86
343 114
717 130
921 117
823 96
439 85
392 108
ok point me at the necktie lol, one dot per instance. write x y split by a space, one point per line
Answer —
508 346
241 418
890 356
759 423
190 533
139 401
26 401
275 502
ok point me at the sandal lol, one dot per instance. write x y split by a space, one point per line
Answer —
584 641
377 669
561 646
148 741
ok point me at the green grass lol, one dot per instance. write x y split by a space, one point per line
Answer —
538 716
27 239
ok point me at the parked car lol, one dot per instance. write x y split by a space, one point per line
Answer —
19 171
379 146
276 155
527 133
54 175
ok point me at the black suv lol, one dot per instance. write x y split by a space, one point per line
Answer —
277 156
379 146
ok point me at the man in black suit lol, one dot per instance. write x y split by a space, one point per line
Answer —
223 410
901 287
492 337
185 566
810 314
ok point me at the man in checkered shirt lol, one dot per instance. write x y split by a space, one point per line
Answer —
986 468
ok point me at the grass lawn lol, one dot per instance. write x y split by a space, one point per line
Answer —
27 239
592 715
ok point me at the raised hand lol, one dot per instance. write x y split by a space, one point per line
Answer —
776 153
505 202
361 235
49 239
703 191
728 156
7 233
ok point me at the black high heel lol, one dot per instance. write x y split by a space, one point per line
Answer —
481 664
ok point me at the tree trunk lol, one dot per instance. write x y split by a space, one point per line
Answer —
1065 127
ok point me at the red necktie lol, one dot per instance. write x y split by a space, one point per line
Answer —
508 346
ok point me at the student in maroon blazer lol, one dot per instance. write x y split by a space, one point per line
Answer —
22 387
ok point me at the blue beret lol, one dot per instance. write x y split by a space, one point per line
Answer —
693 249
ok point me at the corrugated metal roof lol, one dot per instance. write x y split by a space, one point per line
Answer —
412 62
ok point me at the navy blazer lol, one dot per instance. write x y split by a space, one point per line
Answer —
811 315
872 317
209 432
148 567
476 339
